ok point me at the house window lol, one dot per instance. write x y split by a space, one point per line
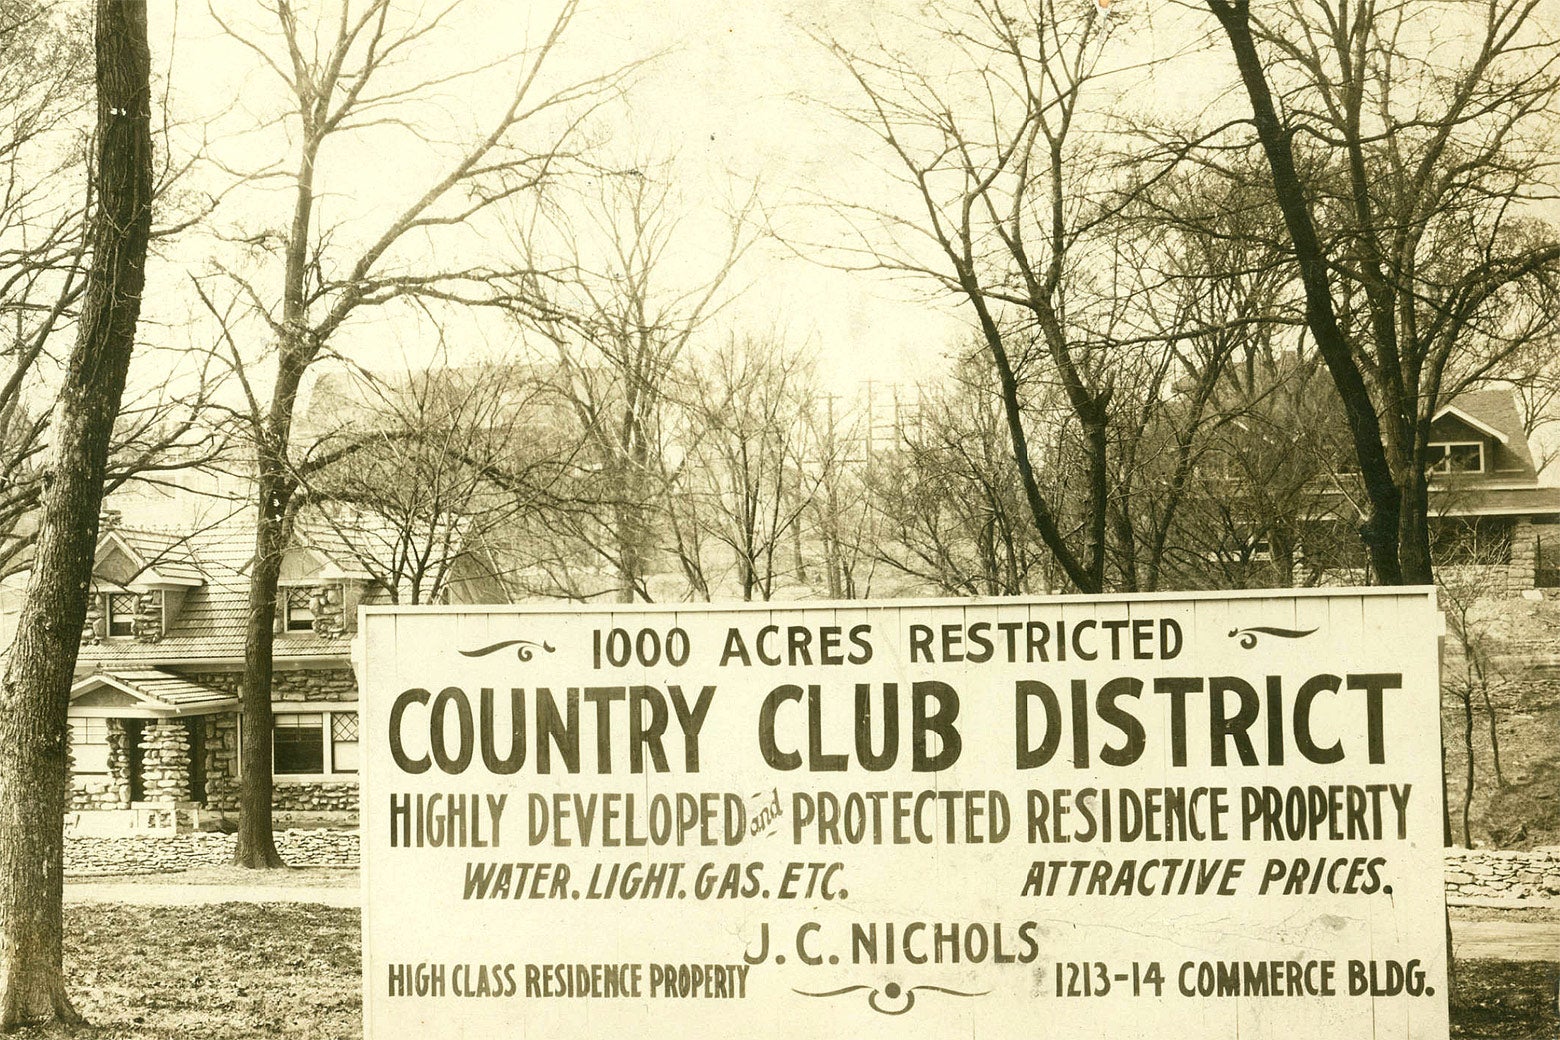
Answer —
89 746
1456 457
120 611
344 741
299 609
300 746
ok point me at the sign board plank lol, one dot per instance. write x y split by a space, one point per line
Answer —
1210 816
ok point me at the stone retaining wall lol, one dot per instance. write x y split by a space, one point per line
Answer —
314 796
89 857
1499 874
104 791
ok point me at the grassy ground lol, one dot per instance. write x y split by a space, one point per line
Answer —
222 972
240 970
1505 1000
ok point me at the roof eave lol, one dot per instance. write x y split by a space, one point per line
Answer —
225 661
150 577
1476 423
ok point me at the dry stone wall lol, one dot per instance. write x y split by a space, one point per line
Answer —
222 761
314 684
1498 874
1523 568
165 761
105 791
95 857
307 796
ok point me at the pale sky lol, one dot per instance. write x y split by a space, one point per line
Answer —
738 94
728 96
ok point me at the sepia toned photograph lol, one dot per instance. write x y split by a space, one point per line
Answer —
770 518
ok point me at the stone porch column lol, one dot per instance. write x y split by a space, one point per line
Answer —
1524 555
165 761
118 764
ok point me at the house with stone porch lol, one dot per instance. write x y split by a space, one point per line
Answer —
1487 507
1491 518
154 720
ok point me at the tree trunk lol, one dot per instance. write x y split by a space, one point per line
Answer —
799 560
1083 577
1096 440
1126 539
1489 715
1446 841
1468 776
35 690
1446 798
1414 529
625 523
297 347
1380 530
1281 542
256 847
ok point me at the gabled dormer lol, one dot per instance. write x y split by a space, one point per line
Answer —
1478 436
320 587
139 582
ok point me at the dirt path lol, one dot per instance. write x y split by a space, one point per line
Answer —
1507 940
159 894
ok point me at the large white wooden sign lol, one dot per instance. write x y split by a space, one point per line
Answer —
1113 817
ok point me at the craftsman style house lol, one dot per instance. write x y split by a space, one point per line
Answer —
1488 506
154 709
1269 515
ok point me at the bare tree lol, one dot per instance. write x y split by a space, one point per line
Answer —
1474 680
840 528
363 71
1406 143
45 191
952 513
43 100
741 481
35 690
424 473
1207 305
620 326
1005 192
1535 382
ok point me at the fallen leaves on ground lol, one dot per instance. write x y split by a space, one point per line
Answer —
223 971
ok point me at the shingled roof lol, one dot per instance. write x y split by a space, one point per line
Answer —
153 691
209 623
1477 501
156 555
328 545
1495 411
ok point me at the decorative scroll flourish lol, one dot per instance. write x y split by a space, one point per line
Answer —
525 648
892 992
1248 636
